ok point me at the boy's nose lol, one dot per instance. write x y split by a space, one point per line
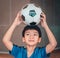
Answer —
31 37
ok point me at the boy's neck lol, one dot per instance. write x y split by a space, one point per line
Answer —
30 50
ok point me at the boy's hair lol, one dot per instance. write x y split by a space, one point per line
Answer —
31 27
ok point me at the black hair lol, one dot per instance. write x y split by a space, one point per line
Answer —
31 27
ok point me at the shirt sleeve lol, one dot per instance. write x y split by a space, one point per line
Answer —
15 50
43 52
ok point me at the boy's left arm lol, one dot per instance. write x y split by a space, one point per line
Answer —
52 40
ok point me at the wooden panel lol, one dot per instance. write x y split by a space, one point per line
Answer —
4 12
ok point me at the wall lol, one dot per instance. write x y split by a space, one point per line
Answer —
9 9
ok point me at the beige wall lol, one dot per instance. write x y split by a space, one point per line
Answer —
8 11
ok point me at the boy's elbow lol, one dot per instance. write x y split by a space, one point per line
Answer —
4 40
54 44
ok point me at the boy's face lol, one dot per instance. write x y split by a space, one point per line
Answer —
31 37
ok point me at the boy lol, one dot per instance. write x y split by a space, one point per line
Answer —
31 35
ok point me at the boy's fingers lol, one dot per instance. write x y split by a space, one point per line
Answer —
42 15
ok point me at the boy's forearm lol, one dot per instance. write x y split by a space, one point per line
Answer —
7 37
50 35
8 34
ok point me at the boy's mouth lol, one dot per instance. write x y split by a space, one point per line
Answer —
31 40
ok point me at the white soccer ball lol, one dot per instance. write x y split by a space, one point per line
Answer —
31 14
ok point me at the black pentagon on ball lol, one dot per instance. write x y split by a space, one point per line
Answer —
23 17
25 7
33 23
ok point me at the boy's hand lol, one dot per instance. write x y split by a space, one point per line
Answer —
18 19
43 20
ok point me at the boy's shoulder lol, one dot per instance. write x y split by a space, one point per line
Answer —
23 48
19 50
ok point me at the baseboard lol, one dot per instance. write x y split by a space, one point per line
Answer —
1 52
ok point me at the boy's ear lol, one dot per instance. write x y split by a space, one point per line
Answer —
39 39
23 39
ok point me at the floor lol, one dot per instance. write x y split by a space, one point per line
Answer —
55 54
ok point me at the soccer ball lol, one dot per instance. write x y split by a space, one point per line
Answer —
31 14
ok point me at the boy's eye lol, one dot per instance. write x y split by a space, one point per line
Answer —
27 34
35 34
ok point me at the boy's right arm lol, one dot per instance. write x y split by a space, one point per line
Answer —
7 37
